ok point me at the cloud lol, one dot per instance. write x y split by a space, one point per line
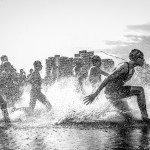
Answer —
138 37
130 39
142 27
133 38
122 48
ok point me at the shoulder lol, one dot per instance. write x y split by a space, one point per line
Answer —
93 68
123 67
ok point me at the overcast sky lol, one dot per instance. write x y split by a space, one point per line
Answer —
37 29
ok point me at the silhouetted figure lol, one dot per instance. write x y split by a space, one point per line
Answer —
79 74
94 75
22 77
30 72
4 59
36 82
4 79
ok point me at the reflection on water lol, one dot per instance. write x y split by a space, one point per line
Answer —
75 138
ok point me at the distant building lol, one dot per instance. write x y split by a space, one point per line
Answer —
61 66
49 66
65 66
86 57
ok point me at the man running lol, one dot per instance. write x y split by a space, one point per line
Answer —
36 82
116 90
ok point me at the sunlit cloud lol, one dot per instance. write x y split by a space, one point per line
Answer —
136 34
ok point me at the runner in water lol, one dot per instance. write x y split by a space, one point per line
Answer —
116 90
4 80
36 82
95 72
79 74
3 105
30 72
4 59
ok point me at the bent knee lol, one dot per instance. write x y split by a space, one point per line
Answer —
137 89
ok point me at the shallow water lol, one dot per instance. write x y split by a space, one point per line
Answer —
74 137
40 132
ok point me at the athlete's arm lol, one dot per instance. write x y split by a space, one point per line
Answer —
104 73
122 69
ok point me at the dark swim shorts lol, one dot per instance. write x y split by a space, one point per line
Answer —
118 93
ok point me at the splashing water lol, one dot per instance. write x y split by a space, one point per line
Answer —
67 105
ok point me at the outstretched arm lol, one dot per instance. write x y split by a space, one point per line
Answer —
123 69
104 73
90 98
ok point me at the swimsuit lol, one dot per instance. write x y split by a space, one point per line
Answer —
115 89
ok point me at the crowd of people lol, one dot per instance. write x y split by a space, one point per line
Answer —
114 84
11 83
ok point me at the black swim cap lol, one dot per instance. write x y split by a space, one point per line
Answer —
4 58
37 63
95 58
135 54
31 70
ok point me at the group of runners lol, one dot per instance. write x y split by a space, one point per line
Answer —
114 85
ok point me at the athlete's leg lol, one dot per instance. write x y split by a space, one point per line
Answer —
4 110
117 96
123 108
128 91
33 98
42 98
139 92
121 105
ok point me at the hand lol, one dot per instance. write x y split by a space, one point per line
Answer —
89 99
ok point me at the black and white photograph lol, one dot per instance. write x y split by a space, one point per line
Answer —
74 74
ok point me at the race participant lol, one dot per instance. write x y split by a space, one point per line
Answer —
116 90
35 94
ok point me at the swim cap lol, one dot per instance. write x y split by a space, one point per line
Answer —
135 54
4 58
95 58
37 63
31 70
